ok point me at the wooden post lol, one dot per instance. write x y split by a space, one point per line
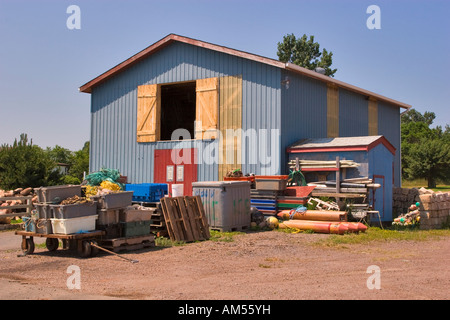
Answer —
338 182
338 175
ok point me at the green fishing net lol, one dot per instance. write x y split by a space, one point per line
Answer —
104 174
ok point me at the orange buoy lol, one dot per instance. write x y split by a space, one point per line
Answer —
316 226
284 215
361 227
316 215
353 228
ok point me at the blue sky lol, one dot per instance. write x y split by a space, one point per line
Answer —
43 63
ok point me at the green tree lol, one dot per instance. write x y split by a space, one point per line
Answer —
23 164
430 159
80 163
306 53
60 155
77 161
425 150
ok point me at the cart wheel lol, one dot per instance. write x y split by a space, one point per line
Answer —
72 244
28 246
52 244
86 249
94 250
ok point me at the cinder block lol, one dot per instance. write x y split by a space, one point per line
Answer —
424 215
425 198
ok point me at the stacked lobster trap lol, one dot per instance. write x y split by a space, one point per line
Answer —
86 219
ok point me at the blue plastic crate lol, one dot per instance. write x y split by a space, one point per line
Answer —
147 192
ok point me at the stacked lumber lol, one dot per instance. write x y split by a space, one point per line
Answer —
319 164
185 218
348 188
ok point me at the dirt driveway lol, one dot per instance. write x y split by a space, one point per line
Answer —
257 265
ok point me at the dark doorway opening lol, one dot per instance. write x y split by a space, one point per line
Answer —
177 109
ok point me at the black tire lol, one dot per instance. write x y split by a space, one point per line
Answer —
86 249
94 250
52 244
29 246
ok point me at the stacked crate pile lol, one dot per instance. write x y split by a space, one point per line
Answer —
126 226
434 209
62 210
148 196
267 191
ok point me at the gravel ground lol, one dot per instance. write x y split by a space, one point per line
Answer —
266 265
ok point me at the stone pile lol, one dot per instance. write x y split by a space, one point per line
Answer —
434 209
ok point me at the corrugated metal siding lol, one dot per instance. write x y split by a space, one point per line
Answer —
261 101
389 126
113 109
381 165
304 111
353 114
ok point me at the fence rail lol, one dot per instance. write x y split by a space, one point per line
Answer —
28 206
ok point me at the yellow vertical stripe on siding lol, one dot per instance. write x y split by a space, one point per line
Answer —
230 117
332 111
373 117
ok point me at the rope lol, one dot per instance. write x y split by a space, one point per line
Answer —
296 177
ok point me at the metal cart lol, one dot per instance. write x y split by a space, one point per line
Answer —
81 242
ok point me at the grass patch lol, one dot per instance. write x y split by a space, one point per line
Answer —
418 183
223 236
215 236
166 242
380 235
293 230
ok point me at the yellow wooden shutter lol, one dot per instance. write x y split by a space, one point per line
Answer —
207 103
148 113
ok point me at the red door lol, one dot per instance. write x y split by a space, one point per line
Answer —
176 166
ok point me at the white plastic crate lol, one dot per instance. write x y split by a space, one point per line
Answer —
74 225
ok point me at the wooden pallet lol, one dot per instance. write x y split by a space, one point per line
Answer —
185 218
158 225
129 243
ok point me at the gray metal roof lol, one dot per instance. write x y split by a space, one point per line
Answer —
335 142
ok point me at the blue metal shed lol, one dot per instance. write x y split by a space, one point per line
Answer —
247 109
374 154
